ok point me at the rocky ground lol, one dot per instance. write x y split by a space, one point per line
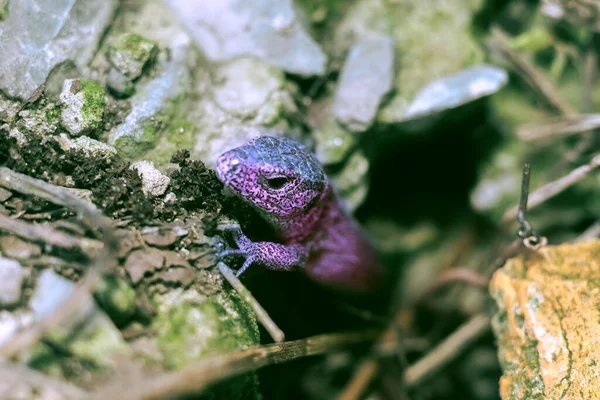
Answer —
423 114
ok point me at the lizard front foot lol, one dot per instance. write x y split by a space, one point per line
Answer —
273 256
245 248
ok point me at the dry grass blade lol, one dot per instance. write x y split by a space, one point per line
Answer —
551 189
88 212
530 73
198 376
261 314
13 372
49 235
447 350
561 127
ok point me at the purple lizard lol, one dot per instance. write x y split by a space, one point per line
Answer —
286 184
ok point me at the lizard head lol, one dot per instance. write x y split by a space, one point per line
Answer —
279 177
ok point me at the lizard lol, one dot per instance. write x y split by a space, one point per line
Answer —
286 184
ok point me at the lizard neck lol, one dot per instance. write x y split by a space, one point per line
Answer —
300 227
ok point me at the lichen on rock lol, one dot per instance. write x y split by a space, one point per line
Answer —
130 52
548 313
83 106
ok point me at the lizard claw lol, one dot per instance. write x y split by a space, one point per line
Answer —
245 249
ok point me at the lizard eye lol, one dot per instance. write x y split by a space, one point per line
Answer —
277 182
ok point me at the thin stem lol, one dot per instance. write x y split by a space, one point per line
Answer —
261 314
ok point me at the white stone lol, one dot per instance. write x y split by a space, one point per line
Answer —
154 183
11 278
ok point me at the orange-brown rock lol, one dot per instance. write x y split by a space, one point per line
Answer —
548 323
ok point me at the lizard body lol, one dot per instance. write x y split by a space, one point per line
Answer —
286 184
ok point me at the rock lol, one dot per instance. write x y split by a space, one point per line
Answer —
367 76
154 183
352 181
12 322
333 143
130 52
432 41
83 102
176 276
242 87
38 36
266 29
547 319
14 247
4 195
190 326
458 89
43 121
11 278
157 236
8 109
153 107
93 148
119 84
218 132
89 333
117 299
142 262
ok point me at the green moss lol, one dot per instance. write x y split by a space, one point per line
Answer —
3 9
116 298
190 326
43 358
179 135
130 52
93 103
53 115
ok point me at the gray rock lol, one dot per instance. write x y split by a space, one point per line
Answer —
4 195
130 52
267 29
333 142
154 183
223 122
11 278
153 106
83 102
352 182
119 84
432 40
44 121
89 333
92 147
12 322
458 89
245 85
367 76
38 36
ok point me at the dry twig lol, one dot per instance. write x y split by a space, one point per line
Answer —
447 350
530 73
551 189
46 234
559 127
261 314
13 372
89 214
196 377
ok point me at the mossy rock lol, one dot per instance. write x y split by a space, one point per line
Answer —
191 326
